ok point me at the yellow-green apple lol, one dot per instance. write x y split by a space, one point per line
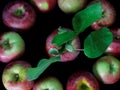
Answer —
82 80
48 83
107 69
108 15
114 47
15 76
71 6
12 46
18 15
64 54
45 5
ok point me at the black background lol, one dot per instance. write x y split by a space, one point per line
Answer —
35 40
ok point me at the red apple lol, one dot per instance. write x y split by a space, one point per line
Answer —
108 15
15 77
114 48
107 69
71 6
48 83
82 81
45 5
65 55
12 46
18 15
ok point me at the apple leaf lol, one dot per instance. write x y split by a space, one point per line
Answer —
86 17
34 73
97 42
63 37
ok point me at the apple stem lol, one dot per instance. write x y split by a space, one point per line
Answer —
16 77
19 12
79 49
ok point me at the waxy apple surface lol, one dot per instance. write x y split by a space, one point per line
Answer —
108 15
65 55
71 6
82 81
12 46
48 83
107 69
14 76
114 47
45 5
18 15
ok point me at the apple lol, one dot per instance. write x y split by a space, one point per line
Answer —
108 15
114 47
64 54
48 83
18 15
82 80
45 5
14 76
107 69
12 46
71 6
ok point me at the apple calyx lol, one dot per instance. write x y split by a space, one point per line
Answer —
19 12
16 77
6 45
83 85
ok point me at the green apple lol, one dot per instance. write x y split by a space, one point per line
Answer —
48 83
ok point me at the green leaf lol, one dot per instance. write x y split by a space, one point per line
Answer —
34 73
53 51
69 48
97 42
86 17
63 38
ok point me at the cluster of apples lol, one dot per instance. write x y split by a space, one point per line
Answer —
20 16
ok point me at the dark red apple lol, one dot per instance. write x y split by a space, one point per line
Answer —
108 15
45 5
107 69
12 46
82 81
18 15
15 76
114 48
64 54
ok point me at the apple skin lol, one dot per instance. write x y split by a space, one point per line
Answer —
65 56
71 6
107 69
22 21
48 83
45 5
108 15
82 80
14 76
114 47
12 46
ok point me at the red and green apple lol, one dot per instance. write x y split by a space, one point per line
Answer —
12 46
107 69
82 80
71 6
61 51
48 83
15 76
